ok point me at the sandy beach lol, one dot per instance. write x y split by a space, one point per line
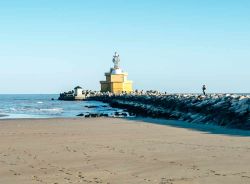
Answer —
117 151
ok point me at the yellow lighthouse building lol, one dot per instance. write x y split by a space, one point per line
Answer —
116 80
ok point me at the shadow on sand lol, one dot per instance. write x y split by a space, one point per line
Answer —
206 128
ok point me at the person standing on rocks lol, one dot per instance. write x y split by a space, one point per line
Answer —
204 89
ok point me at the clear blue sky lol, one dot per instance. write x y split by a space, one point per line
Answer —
48 46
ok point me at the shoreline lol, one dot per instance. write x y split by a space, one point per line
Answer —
118 150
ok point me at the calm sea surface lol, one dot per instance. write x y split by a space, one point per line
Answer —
41 106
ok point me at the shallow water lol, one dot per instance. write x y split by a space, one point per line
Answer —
41 106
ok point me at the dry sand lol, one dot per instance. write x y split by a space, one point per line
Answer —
117 151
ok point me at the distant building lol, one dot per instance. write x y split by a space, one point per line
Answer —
78 93
116 80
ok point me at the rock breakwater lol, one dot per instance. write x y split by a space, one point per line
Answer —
221 109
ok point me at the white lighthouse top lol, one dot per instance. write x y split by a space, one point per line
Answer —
116 71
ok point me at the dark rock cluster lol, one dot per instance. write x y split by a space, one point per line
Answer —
120 114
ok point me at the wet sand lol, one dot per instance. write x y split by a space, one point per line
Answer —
117 151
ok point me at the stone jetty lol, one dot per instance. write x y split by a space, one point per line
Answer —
221 109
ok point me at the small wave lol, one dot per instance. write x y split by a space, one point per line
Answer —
34 110
40 102
3 115
52 110
12 109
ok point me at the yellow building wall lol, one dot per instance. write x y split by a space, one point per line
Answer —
128 86
105 87
117 78
116 87
116 83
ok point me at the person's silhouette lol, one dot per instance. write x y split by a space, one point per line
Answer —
204 89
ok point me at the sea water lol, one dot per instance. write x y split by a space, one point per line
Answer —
42 106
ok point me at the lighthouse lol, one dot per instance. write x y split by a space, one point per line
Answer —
116 80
